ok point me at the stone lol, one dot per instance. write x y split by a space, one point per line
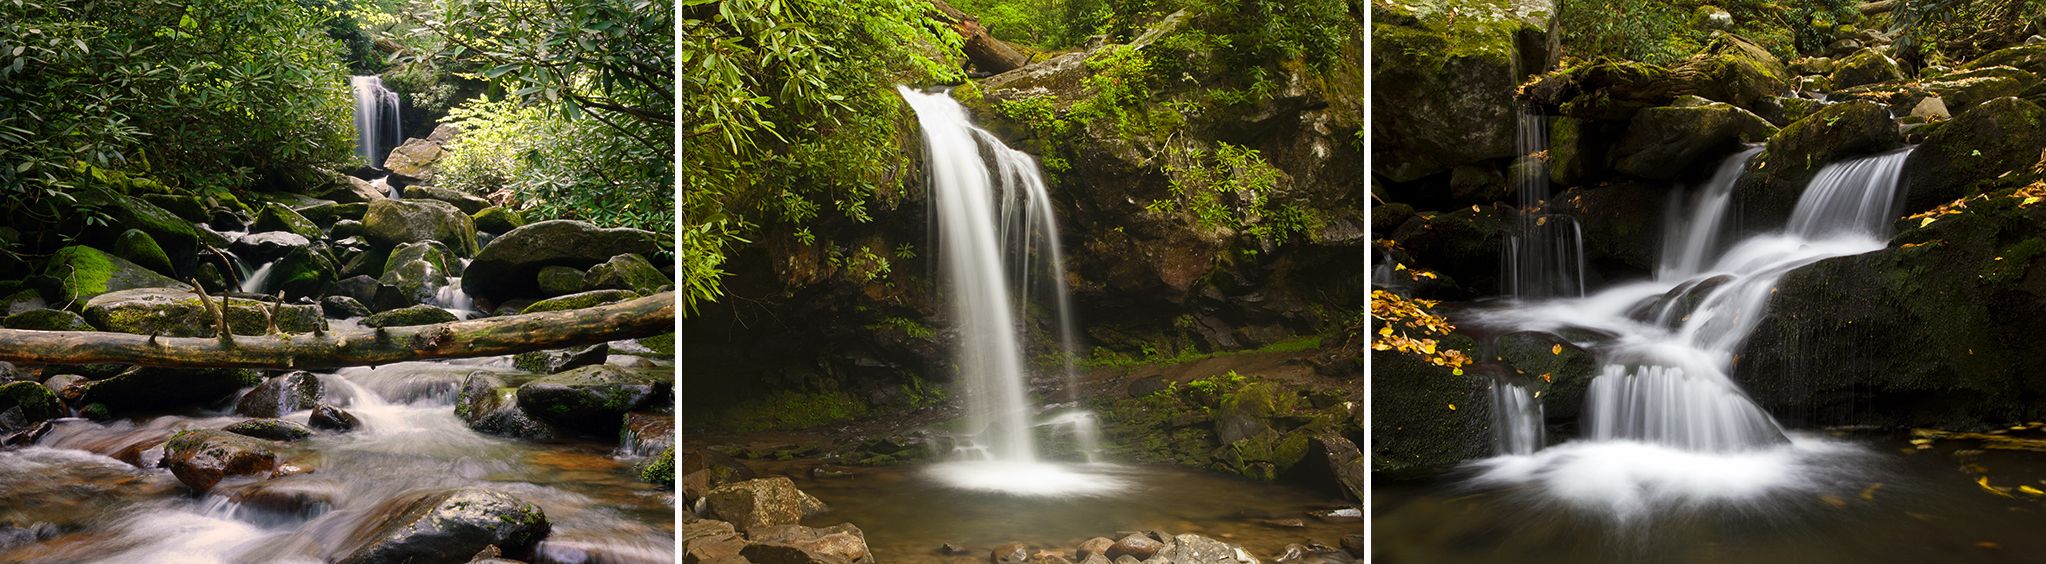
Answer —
25 300
1734 71
757 504
560 360
274 216
271 429
508 268
1012 553
2030 57
390 222
36 402
1867 66
179 313
414 159
1980 144
449 526
595 398
1777 177
434 253
1931 109
488 404
1439 101
706 541
330 418
1196 548
497 219
201 458
625 272
1414 431
139 248
468 203
1135 546
47 320
409 316
1345 461
796 544
82 273
1662 142
579 300
560 281
145 388
304 273
294 391
255 249
1090 548
175 235
415 281
343 307
331 214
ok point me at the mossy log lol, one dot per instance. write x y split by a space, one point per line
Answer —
643 317
990 55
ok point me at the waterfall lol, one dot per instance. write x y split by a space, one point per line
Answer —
1518 419
1544 254
376 119
258 281
996 240
1687 243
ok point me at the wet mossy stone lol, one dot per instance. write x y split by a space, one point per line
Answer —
625 272
332 418
18 301
594 398
560 281
277 217
1773 181
343 307
391 222
1424 418
468 203
36 402
148 389
1662 142
660 469
1867 66
1735 71
448 526
579 300
174 234
1962 91
140 248
82 273
433 252
1444 97
348 228
191 208
179 313
271 429
1606 89
489 403
201 458
331 214
47 320
560 360
508 269
498 219
1981 144
1559 371
255 249
2031 58
415 281
294 391
409 316
305 273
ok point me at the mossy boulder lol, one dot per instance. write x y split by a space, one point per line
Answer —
409 316
559 360
1264 456
2031 58
179 313
1425 419
1463 244
625 272
174 234
138 247
1769 190
331 214
255 249
201 458
269 429
498 219
508 269
277 217
415 281
391 222
660 469
1981 144
448 526
47 320
595 398
36 402
303 273
1621 224
560 280
489 404
1964 90
18 301
1606 89
79 273
294 391
1662 142
468 203
149 389
1557 370
1734 71
1444 92
1867 66
580 300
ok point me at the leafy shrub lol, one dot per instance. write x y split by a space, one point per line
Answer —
556 168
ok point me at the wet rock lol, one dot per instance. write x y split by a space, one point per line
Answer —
330 418
1981 144
1135 546
1097 546
434 253
1773 182
415 158
468 203
139 248
489 405
331 214
1345 460
415 281
1867 66
581 300
409 316
449 526
47 320
1964 90
202 458
80 273
390 222
143 388
1735 71
304 273
593 398
706 541
1438 104
178 313
1196 548
284 394
796 544
1424 419
497 219
276 217
560 280
271 429
1662 142
560 360
35 402
11 373
1012 553
757 504
258 248
508 268
26 437
704 469
625 272
1353 544
343 307
178 239
647 434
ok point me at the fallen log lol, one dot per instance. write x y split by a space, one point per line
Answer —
990 55
643 317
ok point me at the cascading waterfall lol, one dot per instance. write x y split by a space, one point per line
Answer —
376 119
1544 255
1517 417
983 217
258 281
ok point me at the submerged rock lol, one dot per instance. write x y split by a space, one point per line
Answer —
332 418
294 391
202 458
759 503
594 398
271 429
449 526
174 312
509 267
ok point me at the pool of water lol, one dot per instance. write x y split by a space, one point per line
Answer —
1871 498
907 517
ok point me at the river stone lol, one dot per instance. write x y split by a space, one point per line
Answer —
560 281
448 526
1415 431
409 316
275 397
1345 461
175 235
757 504
277 217
36 402
390 222
497 219
414 159
508 268
139 248
560 360
201 458
305 273
332 418
433 252
1011 553
1868 66
1735 71
25 300
580 300
11 373
1136 546
178 313
594 398
1092 547
257 248
331 214
647 434
1662 142
1196 548
488 404
797 544
47 320
468 203
415 281
1444 98
709 540
271 429
82 273
343 307
625 272
1983 143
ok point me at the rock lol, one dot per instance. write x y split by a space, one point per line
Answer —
559 360
468 203
343 307
257 248
1415 430
23 300
497 219
581 300
509 267
1353 544
755 505
82 273
331 214
625 272
139 248
415 281
449 526
390 222
141 388
796 544
489 404
1769 190
647 434
1734 71
2030 58
1662 142
1964 90
433 253
179 313
1012 553
1135 546
1441 99
1713 18
201 458
594 398
175 235
271 429
47 320
1097 546
708 540
560 280
330 418
305 273
1196 548
414 159
1345 462
276 217
275 397
1931 109
1463 244
1867 66
409 316
37 403
1983 143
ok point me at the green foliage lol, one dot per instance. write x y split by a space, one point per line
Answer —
1234 188
1154 354
789 410
661 469
1945 31
1652 31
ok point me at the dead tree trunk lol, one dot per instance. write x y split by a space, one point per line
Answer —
990 55
643 317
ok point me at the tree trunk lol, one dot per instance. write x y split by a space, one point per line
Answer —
643 317
988 54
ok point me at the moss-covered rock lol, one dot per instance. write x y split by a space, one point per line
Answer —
47 320
1621 225
498 219
468 203
1734 71
415 281
294 391
331 214
390 222
18 301
150 389
1556 370
174 234
560 281
1981 144
201 458
79 273
138 247
595 398
1606 89
36 402
1768 191
1443 91
409 316
277 217
449 526
269 429
302 273
1424 418
660 469
489 403
509 267
1662 142
559 360
579 300
255 249
1868 66
2031 58
179 313
1964 90
625 272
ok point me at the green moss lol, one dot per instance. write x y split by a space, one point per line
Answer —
141 249
582 300
788 410
661 470
37 403
1153 354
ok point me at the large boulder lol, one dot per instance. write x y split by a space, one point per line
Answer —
1610 90
278 217
269 429
275 397
201 458
448 526
1980 144
1734 71
797 544
1964 90
143 388
258 248
79 273
1442 97
415 281
179 313
1661 143
498 220
304 273
138 247
510 266
36 402
468 203
1868 66
2031 58
755 505
391 222
47 320
595 398
414 159
177 237
489 403
1424 418
625 272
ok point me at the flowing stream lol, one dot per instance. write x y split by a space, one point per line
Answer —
377 129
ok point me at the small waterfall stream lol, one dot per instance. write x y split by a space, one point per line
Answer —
377 129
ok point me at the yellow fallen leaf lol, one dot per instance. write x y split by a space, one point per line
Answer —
1544 220
1398 266
1984 482
1927 221
1556 350
1456 371
1546 378
1386 330
1474 209
2031 490
2029 200
1452 407
1868 494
